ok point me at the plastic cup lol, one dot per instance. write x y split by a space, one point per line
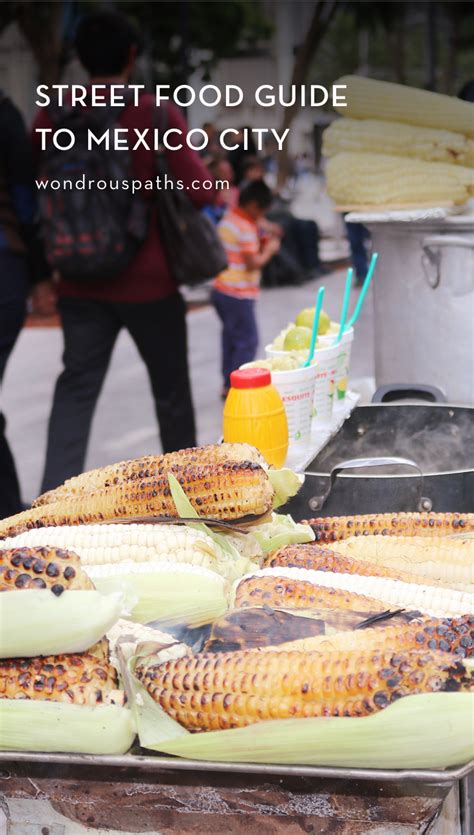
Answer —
326 368
343 363
296 389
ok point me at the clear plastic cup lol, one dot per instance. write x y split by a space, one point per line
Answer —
326 369
343 363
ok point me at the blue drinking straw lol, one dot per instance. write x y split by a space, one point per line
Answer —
363 292
314 332
345 306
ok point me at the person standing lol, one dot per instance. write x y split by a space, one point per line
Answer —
143 297
236 289
21 262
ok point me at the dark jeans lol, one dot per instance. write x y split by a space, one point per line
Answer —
14 288
358 235
90 330
239 331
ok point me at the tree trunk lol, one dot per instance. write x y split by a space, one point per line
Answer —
324 12
40 23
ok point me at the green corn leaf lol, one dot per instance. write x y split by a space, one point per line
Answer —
286 484
26 725
281 531
36 622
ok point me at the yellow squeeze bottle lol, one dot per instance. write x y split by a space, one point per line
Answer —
254 414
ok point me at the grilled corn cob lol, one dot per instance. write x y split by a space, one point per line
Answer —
281 592
455 635
332 528
230 490
316 558
77 679
288 588
370 99
358 179
142 544
41 568
437 559
374 136
138 468
212 692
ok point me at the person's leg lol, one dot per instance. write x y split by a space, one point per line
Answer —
244 332
159 332
219 302
13 293
357 235
90 330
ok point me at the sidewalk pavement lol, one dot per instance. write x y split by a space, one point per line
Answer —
124 425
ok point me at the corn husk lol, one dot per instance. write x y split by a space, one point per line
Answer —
48 727
171 594
421 731
36 622
281 530
285 483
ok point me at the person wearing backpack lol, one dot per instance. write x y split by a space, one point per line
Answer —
21 263
112 261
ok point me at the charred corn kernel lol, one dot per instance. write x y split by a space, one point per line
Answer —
455 635
374 137
115 544
316 558
41 568
358 179
430 600
77 679
230 490
332 528
281 592
137 469
370 99
438 559
230 690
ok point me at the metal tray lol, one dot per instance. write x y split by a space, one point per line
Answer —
157 763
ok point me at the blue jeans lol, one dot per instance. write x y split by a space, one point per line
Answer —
239 331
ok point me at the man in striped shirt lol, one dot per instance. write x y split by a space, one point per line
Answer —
236 289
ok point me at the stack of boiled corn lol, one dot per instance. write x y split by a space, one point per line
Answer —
399 146
54 661
225 482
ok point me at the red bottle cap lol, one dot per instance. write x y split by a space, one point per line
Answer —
250 378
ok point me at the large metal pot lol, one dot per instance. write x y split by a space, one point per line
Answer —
392 458
424 302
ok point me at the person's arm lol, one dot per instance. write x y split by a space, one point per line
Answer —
17 161
187 165
257 260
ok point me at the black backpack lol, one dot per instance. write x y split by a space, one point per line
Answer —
89 233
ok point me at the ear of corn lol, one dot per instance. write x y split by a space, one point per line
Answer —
80 679
370 99
454 635
47 727
40 623
315 558
229 489
333 528
407 734
439 560
282 592
297 587
212 692
41 568
359 179
137 469
166 592
373 136
115 544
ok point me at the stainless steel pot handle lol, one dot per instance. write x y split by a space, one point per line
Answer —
317 502
431 258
